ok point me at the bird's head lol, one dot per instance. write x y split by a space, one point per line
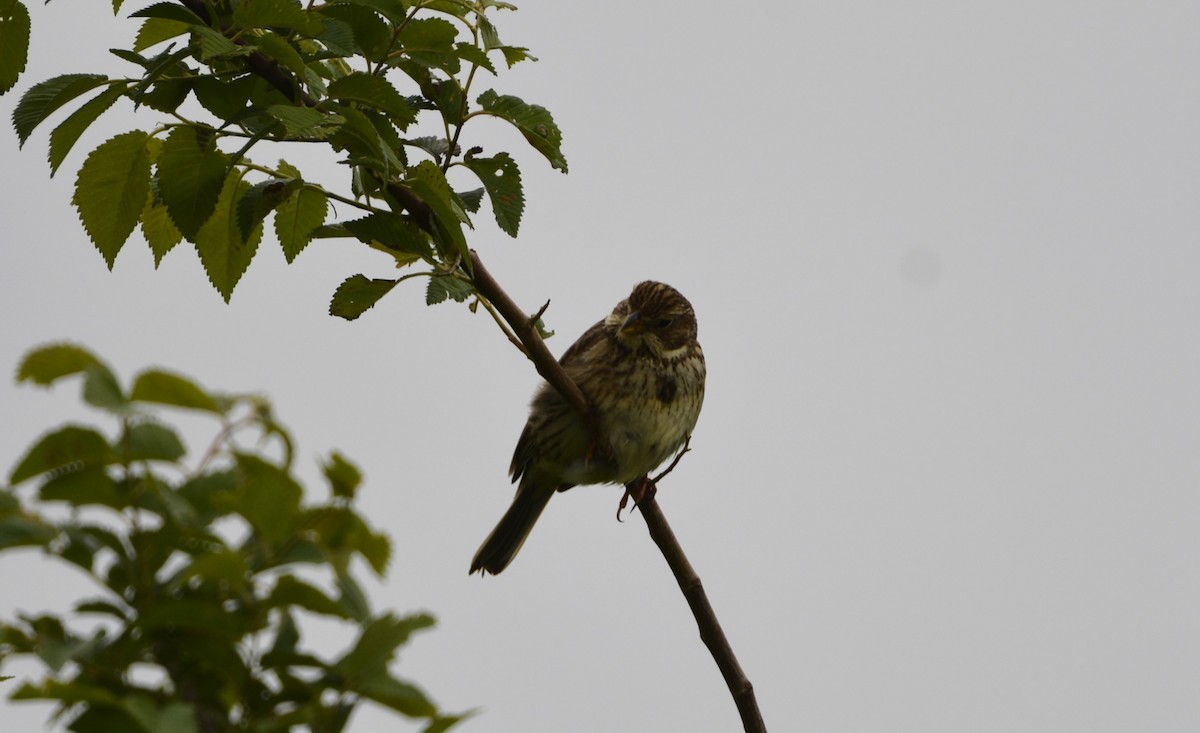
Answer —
657 316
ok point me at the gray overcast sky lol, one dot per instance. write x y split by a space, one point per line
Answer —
945 261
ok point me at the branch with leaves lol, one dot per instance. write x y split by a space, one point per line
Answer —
323 74
202 573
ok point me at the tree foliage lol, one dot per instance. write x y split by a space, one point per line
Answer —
204 575
386 87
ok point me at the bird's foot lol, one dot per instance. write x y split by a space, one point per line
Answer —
638 490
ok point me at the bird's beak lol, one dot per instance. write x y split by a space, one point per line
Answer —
633 325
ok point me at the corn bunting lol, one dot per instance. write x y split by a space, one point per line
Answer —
642 370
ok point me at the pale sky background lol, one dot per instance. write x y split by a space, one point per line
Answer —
946 262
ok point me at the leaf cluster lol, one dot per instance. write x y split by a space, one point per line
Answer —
385 87
204 576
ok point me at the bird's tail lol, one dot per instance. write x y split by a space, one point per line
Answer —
506 539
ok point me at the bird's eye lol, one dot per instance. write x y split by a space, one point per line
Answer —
662 323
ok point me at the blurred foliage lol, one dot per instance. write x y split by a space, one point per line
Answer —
202 574
384 86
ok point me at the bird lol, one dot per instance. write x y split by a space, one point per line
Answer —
642 371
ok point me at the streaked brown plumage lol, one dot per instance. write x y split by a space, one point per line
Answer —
642 369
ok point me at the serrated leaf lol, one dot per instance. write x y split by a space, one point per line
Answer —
169 11
111 190
64 137
502 179
71 446
533 121
84 487
435 146
474 55
101 389
276 14
513 55
428 34
392 233
47 364
297 218
157 30
291 591
191 174
160 232
372 36
344 477
268 498
388 691
275 47
375 92
393 10
378 644
20 531
149 441
305 123
42 99
338 37
470 200
14 42
223 251
442 287
213 44
165 388
261 199
429 183
225 99
358 294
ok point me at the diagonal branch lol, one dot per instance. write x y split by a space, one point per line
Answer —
689 582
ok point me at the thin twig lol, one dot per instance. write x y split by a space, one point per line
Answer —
660 531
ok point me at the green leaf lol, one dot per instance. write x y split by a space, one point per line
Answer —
434 35
193 615
214 45
160 232
165 388
305 123
344 477
514 55
357 294
25 532
372 36
474 55
502 179
14 42
157 30
393 10
429 183
443 723
170 11
42 99
80 488
191 173
260 200
388 691
223 251
111 191
378 644
225 99
297 218
276 14
64 137
470 200
291 591
446 286
353 600
101 389
338 37
375 92
534 123
66 692
227 567
47 364
276 47
69 447
148 441
269 498
391 232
